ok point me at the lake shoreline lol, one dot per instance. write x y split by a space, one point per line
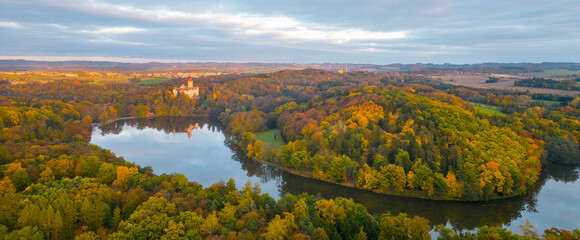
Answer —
467 215
407 193
417 194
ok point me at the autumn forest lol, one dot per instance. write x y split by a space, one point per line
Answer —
400 134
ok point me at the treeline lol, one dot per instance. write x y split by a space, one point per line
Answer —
474 70
56 186
104 103
535 82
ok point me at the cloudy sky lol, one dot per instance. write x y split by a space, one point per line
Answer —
299 31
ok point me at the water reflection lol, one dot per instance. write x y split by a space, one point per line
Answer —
165 124
193 147
562 173
555 182
459 215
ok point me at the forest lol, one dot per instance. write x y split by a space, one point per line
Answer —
381 132
548 83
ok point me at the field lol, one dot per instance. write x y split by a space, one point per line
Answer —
555 73
488 109
506 83
154 81
21 78
266 69
271 138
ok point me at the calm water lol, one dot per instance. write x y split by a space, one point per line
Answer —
197 148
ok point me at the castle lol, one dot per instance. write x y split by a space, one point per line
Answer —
190 90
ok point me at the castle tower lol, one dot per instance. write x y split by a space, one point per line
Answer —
190 90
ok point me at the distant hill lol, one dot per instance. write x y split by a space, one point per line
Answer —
25 65
255 67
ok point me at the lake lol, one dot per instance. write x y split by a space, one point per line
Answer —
198 149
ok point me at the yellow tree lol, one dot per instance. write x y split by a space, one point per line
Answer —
211 224
455 187
491 176
124 174
410 178
329 211
279 229
368 178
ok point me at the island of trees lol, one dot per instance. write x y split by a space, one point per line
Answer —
387 133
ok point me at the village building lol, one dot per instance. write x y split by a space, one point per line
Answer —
190 90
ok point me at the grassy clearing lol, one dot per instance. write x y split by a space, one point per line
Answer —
488 109
271 138
154 81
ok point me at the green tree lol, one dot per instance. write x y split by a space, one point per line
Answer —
88 167
320 234
361 235
87 236
107 173
393 177
142 110
5 156
92 214
402 159
9 208
173 231
403 227
20 178
28 232
46 176
51 222
563 150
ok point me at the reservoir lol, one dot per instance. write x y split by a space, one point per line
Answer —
198 149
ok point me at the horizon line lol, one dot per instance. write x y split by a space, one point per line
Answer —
185 61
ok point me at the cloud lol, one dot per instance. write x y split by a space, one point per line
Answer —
91 58
9 25
236 23
288 28
366 31
374 50
113 41
116 30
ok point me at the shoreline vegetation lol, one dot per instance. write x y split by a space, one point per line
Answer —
412 170
353 184
382 131
416 194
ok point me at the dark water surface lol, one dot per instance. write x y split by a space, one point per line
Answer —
198 149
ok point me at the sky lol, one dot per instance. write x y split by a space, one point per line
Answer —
296 31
